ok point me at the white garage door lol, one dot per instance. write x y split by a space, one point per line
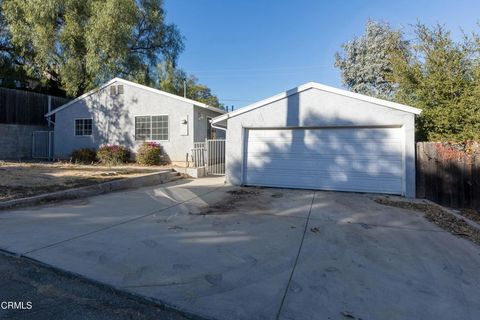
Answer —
343 159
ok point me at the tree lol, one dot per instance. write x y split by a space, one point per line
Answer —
74 45
441 77
174 80
365 62
431 72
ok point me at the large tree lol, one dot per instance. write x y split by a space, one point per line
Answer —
441 77
177 81
73 45
431 72
365 63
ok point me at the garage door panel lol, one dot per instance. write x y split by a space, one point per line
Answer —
350 159
305 182
390 148
307 167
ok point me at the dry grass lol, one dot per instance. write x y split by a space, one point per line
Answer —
24 179
439 216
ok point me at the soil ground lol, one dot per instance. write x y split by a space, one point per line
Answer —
439 216
25 179
57 295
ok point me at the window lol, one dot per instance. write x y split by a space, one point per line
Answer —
83 127
151 128
211 133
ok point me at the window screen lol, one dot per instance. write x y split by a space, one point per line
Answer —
151 128
83 127
159 127
142 128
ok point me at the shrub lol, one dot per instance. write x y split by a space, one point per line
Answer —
113 155
84 156
149 154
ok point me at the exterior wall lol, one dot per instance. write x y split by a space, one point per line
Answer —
314 108
16 140
114 121
200 124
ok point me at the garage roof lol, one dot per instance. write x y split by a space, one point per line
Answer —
315 85
140 86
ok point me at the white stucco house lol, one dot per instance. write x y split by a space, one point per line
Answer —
318 137
126 113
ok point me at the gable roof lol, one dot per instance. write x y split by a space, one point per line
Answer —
136 85
315 85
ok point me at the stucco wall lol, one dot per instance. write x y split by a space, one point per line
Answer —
114 121
200 124
313 108
16 140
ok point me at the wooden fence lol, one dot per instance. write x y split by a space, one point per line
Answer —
449 174
26 107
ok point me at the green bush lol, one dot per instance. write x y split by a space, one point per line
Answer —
84 156
149 154
113 155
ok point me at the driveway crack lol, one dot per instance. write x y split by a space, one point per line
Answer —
296 258
116 224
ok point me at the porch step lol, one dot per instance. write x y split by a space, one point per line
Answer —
174 176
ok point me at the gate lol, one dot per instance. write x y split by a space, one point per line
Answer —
42 145
215 156
211 155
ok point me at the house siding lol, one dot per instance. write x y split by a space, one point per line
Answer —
114 121
314 108
200 124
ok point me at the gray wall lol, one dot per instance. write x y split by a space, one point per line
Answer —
312 108
16 140
114 121
200 124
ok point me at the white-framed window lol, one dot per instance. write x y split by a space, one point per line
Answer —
151 127
83 127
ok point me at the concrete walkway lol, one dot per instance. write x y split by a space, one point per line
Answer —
256 253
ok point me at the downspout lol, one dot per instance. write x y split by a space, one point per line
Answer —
217 127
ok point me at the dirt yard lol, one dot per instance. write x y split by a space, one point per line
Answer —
21 179
437 215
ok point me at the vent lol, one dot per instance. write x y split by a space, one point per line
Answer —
115 90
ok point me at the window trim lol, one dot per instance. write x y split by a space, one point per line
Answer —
75 128
151 115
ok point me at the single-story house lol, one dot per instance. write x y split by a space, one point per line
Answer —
126 113
319 137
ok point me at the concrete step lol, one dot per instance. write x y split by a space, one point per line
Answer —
173 176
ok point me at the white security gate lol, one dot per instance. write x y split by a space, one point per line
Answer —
42 145
343 159
211 155
215 156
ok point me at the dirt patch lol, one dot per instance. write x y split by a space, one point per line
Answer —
229 204
471 214
439 216
20 179
58 295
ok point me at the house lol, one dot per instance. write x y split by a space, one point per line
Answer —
126 113
319 137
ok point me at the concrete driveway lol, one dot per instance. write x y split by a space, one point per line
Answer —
244 253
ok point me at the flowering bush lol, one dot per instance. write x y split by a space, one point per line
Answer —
113 155
149 154
84 156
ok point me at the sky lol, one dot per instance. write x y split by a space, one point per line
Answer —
248 50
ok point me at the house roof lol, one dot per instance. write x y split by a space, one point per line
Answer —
140 86
315 85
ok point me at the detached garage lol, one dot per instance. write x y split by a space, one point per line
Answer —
319 137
